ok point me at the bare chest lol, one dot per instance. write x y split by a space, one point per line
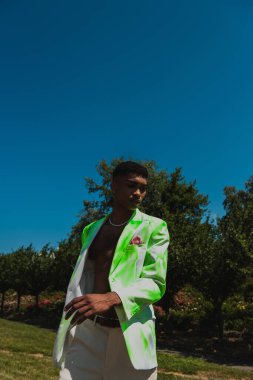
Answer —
103 246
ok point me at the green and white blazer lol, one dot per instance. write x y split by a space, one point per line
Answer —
137 275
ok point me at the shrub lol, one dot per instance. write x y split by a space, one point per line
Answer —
189 309
238 314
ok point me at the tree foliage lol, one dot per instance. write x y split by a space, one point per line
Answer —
214 257
229 257
169 197
39 271
5 279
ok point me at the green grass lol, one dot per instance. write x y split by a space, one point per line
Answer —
20 337
26 353
178 364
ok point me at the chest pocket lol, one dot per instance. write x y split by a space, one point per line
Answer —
131 252
134 255
135 247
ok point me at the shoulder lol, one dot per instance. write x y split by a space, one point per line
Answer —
156 230
89 227
153 222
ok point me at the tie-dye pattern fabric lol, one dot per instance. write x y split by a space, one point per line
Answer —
138 276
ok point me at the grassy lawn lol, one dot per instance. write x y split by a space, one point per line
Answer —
25 353
182 367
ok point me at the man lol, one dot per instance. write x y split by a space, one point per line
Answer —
107 331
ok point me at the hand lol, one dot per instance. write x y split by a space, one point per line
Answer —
90 304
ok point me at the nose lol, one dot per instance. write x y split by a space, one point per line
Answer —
137 192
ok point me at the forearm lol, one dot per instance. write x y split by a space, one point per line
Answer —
145 283
114 299
145 291
151 285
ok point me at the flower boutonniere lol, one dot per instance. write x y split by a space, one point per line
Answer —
136 240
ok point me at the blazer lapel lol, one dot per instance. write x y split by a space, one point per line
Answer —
76 276
125 238
94 230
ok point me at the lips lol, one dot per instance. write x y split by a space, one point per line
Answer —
135 201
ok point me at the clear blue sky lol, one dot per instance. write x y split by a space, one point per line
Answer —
80 81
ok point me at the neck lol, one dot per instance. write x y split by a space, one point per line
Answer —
120 215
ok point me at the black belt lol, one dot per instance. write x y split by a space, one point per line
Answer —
105 321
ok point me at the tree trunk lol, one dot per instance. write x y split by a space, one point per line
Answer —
37 303
219 319
2 302
18 301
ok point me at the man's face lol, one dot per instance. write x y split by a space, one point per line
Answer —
129 190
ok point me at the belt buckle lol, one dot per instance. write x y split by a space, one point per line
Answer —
104 321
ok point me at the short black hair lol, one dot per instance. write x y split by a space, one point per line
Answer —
127 167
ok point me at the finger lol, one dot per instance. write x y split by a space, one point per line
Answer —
76 306
67 306
89 313
80 320
73 302
83 317
75 319
79 314
69 313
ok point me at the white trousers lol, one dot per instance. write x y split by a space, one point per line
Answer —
96 352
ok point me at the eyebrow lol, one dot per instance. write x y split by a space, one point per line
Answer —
133 181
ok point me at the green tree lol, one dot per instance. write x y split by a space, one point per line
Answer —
237 224
229 257
185 211
39 271
20 261
169 197
69 248
5 280
65 257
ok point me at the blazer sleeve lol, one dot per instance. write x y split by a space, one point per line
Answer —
151 284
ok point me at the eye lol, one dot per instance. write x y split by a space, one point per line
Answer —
143 189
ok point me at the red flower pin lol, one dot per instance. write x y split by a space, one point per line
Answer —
136 240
